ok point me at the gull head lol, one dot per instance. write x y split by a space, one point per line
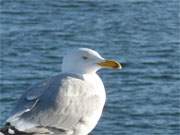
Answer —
84 60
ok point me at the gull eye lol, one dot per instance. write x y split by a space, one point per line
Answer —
84 57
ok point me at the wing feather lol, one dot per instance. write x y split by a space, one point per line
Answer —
60 102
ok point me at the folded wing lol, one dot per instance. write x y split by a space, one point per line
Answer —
59 102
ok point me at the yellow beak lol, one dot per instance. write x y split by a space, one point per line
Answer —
110 64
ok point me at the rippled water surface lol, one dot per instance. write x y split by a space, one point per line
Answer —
142 99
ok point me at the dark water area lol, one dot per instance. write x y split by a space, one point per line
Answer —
142 99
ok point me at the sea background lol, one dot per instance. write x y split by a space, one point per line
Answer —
144 35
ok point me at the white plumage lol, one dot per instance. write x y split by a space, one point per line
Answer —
71 102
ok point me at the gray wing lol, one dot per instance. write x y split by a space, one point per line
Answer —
29 99
58 102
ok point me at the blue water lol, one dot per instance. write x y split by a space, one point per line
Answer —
142 99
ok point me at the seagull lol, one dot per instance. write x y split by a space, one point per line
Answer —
70 103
